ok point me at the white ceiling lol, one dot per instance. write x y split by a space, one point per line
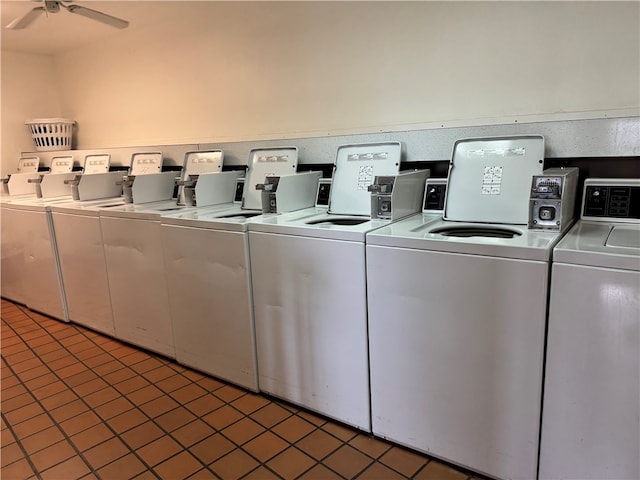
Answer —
56 33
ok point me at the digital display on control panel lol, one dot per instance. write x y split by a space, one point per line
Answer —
612 201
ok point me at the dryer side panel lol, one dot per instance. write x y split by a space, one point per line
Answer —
591 410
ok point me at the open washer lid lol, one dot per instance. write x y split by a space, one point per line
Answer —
28 165
62 164
265 162
98 163
144 163
355 168
490 179
198 162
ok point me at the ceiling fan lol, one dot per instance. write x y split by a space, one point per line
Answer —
54 7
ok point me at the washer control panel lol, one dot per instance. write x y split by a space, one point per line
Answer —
323 193
435 191
611 200
552 199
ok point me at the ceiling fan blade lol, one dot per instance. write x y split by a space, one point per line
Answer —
26 19
99 16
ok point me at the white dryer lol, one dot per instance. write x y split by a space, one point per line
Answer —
457 314
309 291
591 409
206 254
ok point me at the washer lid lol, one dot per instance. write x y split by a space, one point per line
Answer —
97 163
624 236
354 170
265 162
143 163
490 179
28 164
199 162
62 164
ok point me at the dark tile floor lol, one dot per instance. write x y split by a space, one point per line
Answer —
79 405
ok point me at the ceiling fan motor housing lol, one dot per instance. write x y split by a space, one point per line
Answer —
52 6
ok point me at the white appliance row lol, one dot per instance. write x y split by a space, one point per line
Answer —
428 329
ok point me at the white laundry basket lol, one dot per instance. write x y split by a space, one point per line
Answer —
51 133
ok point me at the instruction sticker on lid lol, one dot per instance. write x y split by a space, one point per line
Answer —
365 177
61 164
365 172
497 152
273 158
492 180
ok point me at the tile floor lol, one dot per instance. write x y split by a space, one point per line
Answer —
79 405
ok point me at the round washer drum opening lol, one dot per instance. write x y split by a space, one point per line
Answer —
241 215
471 231
338 221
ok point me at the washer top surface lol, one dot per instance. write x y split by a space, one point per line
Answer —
31 202
601 244
430 232
144 211
228 216
316 222
87 207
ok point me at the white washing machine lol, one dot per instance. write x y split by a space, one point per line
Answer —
11 251
30 266
209 285
309 291
457 313
79 244
591 409
133 250
79 236
206 255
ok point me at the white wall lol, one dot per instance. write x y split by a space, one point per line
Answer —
225 71
249 70
29 90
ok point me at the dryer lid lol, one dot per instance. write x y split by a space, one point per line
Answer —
490 179
355 168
